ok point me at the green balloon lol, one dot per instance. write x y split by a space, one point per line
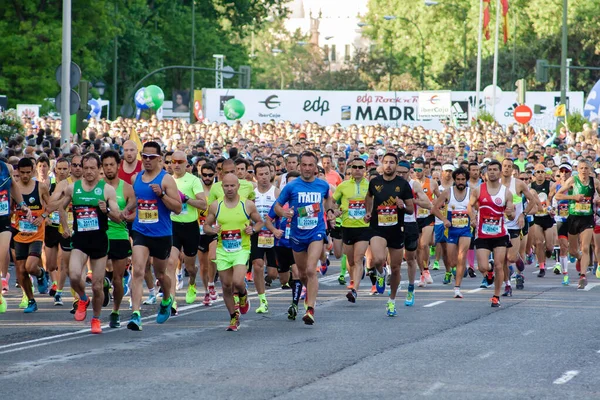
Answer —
234 109
154 97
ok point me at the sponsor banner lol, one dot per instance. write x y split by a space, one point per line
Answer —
371 108
434 105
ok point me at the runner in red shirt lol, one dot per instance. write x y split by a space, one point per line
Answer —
130 165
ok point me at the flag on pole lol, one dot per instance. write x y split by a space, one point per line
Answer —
486 19
505 19
133 136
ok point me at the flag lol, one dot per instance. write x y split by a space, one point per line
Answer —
560 111
505 19
486 19
133 136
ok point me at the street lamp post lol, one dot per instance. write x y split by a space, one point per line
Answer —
275 52
463 10
193 51
393 17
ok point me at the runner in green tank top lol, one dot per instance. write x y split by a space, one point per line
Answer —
580 190
234 218
119 249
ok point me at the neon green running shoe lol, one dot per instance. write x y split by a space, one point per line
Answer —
598 272
432 251
566 280
2 305
263 308
436 265
391 309
24 301
190 295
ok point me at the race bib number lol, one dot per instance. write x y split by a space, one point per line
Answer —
147 211
563 210
231 240
584 206
201 222
266 239
70 216
308 222
356 209
287 232
4 203
87 219
184 209
27 226
387 215
491 226
460 219
54 218
543 210
422 213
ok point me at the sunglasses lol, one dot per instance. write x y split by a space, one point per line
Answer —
150 156
178 161
564 170
77 165
419 170
250 172
358 167
208 175
540 172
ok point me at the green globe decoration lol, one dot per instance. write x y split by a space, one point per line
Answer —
234 109
154 97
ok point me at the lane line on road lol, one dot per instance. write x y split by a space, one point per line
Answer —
433 388
590 286
486 355
476 290
566 377
529 332
435 303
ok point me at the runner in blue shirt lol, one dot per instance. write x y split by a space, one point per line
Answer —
308 197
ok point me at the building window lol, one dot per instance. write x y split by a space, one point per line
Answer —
347 52
326 51
333 55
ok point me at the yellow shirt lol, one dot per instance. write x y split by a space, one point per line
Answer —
246 191
350 195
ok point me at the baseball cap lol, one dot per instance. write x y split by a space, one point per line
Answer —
566 166
448 167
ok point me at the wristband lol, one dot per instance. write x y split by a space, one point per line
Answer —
22 204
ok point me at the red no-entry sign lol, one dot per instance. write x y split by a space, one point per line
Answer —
523 114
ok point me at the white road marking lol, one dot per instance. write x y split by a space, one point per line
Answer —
433 388
566 377
435 303
590 286
529 332
476 290
486 355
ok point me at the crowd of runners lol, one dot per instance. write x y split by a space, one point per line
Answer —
275 202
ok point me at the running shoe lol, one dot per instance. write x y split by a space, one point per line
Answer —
541 273
453 270
285 286
43 283
520 282
422 282
373 291
82 307
268 281
53 289
447 278
484 283
249 277
557 269
410 298
342 280
529 258
507 291
174 312
351 296
323 268
598 272
58 301
582 282
309 317
106 289
135 322
190 295
244 304
150 300
164 311
212 292
24 301
96 326
436 265
520 264
74 307
292 312
431 251
234 323
457 293
207 302
126 284
490 278
2 305
566 280
391 309
5 285
380 283
303 293
88 278
263 308
578 265
472 272
179 277
115 320
428 278
351 285
495 302
31 307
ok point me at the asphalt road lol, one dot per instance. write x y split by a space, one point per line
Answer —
542 344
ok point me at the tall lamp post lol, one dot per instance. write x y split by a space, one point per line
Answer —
393 17
463 10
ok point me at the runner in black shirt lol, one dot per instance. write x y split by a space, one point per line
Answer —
388 199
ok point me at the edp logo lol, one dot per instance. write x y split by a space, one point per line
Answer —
316 105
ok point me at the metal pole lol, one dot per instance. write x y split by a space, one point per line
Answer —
464 83
389 63
514 52
193 57
65 90
563 56
115 63
495 78
479 44
568 73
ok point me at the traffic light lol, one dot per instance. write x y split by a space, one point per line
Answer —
84 108
541 71
521 90
244 77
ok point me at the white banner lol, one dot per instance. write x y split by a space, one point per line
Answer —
28 110
371 108
434 105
